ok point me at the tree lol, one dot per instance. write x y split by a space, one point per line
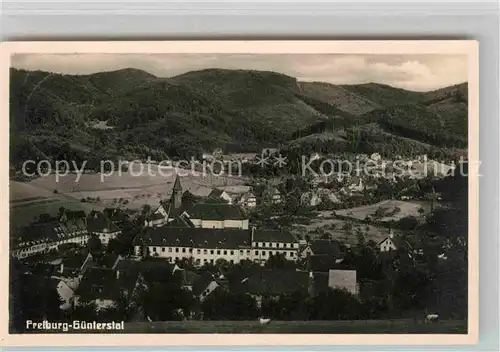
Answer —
279 261
335 304
94 245
32 298
167 301
224 305
288 306
146 209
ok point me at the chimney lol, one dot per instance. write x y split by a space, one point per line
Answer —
118 274
391 234
62 268
253 232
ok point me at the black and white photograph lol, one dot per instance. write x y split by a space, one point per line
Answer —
239 193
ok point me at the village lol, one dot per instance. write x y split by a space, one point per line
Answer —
276 249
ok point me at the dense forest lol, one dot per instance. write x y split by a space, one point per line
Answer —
132 114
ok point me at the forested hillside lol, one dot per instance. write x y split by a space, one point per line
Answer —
55 115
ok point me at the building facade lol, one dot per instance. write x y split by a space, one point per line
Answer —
204 245
42 237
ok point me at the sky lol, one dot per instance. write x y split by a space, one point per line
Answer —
414 72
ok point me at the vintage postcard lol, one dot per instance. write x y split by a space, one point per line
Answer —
246 192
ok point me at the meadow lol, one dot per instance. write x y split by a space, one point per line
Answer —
47 194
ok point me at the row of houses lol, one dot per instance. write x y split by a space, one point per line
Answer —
75 227
106 281
207 245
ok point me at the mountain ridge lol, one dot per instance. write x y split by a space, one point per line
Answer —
199 110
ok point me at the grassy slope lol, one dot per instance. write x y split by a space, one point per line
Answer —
338 96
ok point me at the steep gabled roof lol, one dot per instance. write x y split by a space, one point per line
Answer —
177 184
74 260
74 215
215 193
108 260
194 237
326 247
49 231
276 282
210 211
101 223
268 235
181 221
155 216
202 283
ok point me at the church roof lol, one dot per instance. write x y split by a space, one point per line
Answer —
177 184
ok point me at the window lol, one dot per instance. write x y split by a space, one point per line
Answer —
263 253
232 252
198 251
183 250
190 250
211 261
273 245
281 245
154 249
256 252
218 251
291 254
225 252
241 251
176 250
211 251
163 249
248 251
204 251
204 260
260 244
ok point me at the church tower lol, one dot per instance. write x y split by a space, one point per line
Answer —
177 193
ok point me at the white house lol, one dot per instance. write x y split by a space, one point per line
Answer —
204 286
247 200
66 294
221 194
388 243
207 245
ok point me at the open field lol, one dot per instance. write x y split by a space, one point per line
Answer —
333 227
406 209
29 199
400 326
